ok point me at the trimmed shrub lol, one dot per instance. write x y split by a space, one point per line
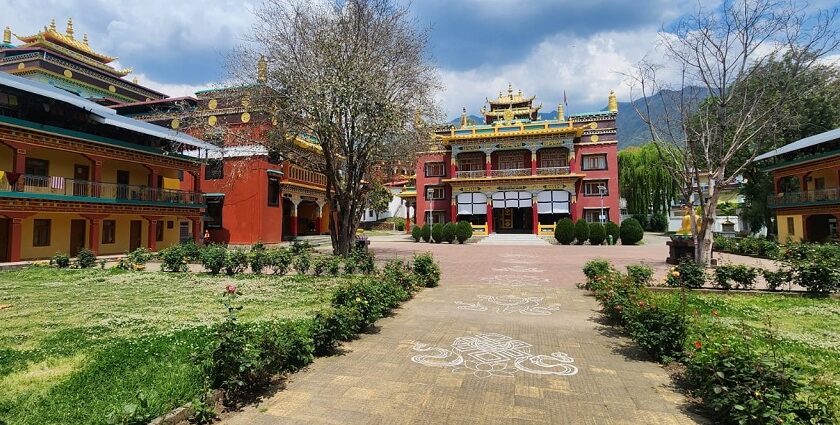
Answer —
213 258
140 256
581 231
279 260
60 260
349 265
463 231
85 259
173 259
449 230
596 271
688 274
815 267
334 265
416 233
776 279
332 325
400 226
236 261
631 231
640 274
319 265
302 262
642 219
400 273
427 271
437 232
658 223
564 231
597 234
258 260
300 246
660 331
191 250
613 230
742 276
426 233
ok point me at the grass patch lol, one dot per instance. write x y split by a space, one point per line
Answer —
78 344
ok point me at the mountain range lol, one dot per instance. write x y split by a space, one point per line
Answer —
632 130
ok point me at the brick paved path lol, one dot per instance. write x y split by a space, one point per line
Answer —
505 339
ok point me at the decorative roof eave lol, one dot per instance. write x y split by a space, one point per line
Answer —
518 179
577 131
516 111
70 53
407 194
508 100
50 35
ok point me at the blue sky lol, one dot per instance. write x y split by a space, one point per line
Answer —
540 46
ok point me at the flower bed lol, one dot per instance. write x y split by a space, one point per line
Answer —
750 359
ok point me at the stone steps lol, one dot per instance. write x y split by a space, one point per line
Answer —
512 239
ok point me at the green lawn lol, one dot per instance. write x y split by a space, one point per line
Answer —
76 344
806 330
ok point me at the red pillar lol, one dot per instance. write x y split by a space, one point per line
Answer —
94 230
152 231
488 164
293 219
453 168
572 159
534 163
453 211
19 166
198 235
407 217
153 183
15 233
318 219
489 217
535 217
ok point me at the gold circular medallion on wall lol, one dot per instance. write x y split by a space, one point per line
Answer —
212 104
594 138
593 125
21 65
68 73
245 117
112 89
274 121
175 123
212 120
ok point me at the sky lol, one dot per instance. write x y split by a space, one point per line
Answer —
543 47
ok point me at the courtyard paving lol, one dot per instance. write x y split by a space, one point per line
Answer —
505 339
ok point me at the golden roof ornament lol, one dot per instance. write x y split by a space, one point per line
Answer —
135 80
612 104
52 24
7 35
262 69
70 28
85 40
561 115
464 118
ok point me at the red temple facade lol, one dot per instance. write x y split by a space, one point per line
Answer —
517 173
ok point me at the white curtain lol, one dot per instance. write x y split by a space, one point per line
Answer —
472 203
511 199
553 202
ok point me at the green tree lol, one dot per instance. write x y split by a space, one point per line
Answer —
378 198
645 182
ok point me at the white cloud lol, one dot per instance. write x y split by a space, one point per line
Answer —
172 90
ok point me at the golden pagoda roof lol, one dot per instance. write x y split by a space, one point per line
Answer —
67 44
516 111
511 98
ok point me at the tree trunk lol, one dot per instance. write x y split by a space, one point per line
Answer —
705 238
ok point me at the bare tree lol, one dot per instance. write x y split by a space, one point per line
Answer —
354 76
711 124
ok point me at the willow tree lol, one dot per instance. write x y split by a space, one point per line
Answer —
715 49
351 74
646 183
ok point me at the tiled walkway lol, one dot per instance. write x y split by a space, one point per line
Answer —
505 339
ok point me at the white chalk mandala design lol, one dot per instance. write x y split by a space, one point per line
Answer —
516 280
491 354
509 304
518 269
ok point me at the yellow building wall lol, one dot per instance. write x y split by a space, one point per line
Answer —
830 176
60 234
7 158
170 183
138 175
61 163
786 234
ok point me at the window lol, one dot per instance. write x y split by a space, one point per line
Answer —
214 170
595 162
511 161
433 217
591 188
436 192
214 212
37 167
790 226
554 158
109 231
470 162
512 200
180 175
553 202
41 232
370 213
474 203
170 224
159 231
273 192
593 215
435 169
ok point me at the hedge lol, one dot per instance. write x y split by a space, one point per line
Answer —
581 231
564 231
631 231
597 234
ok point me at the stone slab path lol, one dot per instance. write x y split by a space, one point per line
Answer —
505 339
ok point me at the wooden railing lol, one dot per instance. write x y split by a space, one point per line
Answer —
302 175
550 171
819 196
512 172
470 174
63 186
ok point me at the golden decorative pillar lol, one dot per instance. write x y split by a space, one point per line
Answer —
262 69
70 27
561 114
7 35
612 103
464 118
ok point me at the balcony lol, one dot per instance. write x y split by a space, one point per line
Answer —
299 174
803 198
552 171
54 187
470 174
512 172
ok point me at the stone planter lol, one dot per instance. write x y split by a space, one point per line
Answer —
680 246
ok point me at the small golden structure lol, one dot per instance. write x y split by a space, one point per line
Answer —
70 28
561 115
612 104
7 35
262 69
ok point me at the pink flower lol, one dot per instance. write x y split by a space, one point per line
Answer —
230 289
697 344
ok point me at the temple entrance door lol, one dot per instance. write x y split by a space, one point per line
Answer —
4 237
512 220
135 235
77 236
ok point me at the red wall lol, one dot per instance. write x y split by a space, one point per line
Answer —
422 181
610 174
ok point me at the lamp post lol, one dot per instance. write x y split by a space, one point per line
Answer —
601 190
429 192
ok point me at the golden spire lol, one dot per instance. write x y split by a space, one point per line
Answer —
7 35
85 39
561 115
135 80
52 24
612 104
70 27
510 90
262 69
464 118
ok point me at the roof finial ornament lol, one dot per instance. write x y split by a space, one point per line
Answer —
561 114
7 35
612 104
464 118
135 80
70 27
510 90
85 39
52 24
262 69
